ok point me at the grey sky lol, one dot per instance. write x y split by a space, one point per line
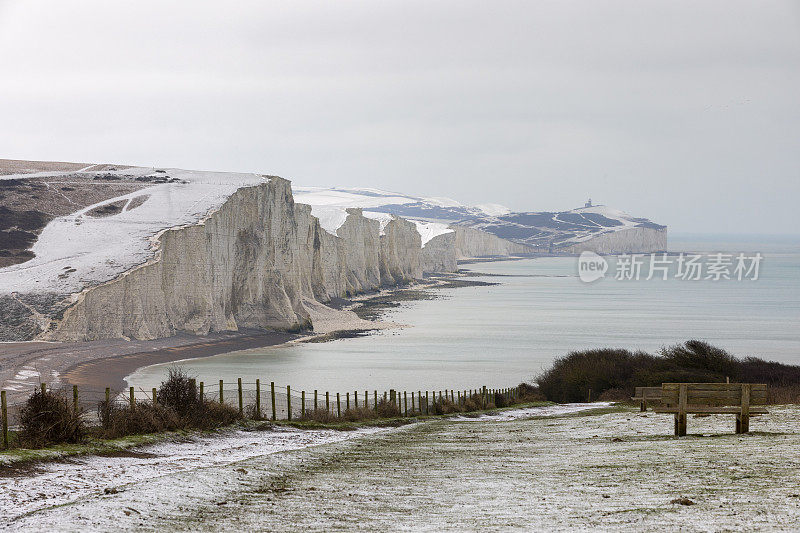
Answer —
685 112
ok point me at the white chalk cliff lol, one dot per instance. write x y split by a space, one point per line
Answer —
255 259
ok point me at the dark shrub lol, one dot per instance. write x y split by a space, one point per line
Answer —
527 393
475 403
48 418
359 413
444 406
119 421
178 392
320 415
699 355
769 372
210 415
783 394
387 409
571 377
614 395
500 400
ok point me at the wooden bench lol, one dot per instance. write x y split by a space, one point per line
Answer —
713 398
645 394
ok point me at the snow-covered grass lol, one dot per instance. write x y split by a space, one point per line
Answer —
555 468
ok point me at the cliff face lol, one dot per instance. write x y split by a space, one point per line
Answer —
439 254
476 243
246 265
631 240
258 262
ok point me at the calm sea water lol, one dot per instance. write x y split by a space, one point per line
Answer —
500 335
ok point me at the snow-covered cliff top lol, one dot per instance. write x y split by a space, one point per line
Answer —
95 241
431 214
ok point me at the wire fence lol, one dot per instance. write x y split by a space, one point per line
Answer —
264 400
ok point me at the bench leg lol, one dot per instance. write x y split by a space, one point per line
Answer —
742 423
680 425
643 406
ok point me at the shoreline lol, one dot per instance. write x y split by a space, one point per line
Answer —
112 371
106 363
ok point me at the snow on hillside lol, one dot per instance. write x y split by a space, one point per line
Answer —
78 250
558 229
493 209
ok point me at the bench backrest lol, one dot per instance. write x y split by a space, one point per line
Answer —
648 393
713 394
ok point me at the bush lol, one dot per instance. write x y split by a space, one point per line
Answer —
387 409
500 400
444 406
322 416
473 403
47 418
210 415
614 373
119 421
527 393
359 413
178 392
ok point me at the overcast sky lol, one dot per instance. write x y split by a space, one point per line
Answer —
684 112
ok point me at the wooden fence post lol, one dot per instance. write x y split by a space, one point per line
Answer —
366 398
258 399
427 404
241 399
392 396
405 402
355 398
155 396
4 409
108 401
288 402
221 392
315 399
589 398
202 394
338 406
75 398
412 401
302 404
327 401
132 399
272 390
376 401
347 396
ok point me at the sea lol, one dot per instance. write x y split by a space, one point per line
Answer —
540 310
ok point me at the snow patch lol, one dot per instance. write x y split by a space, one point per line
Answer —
330 218
493 210
383 218
429 230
